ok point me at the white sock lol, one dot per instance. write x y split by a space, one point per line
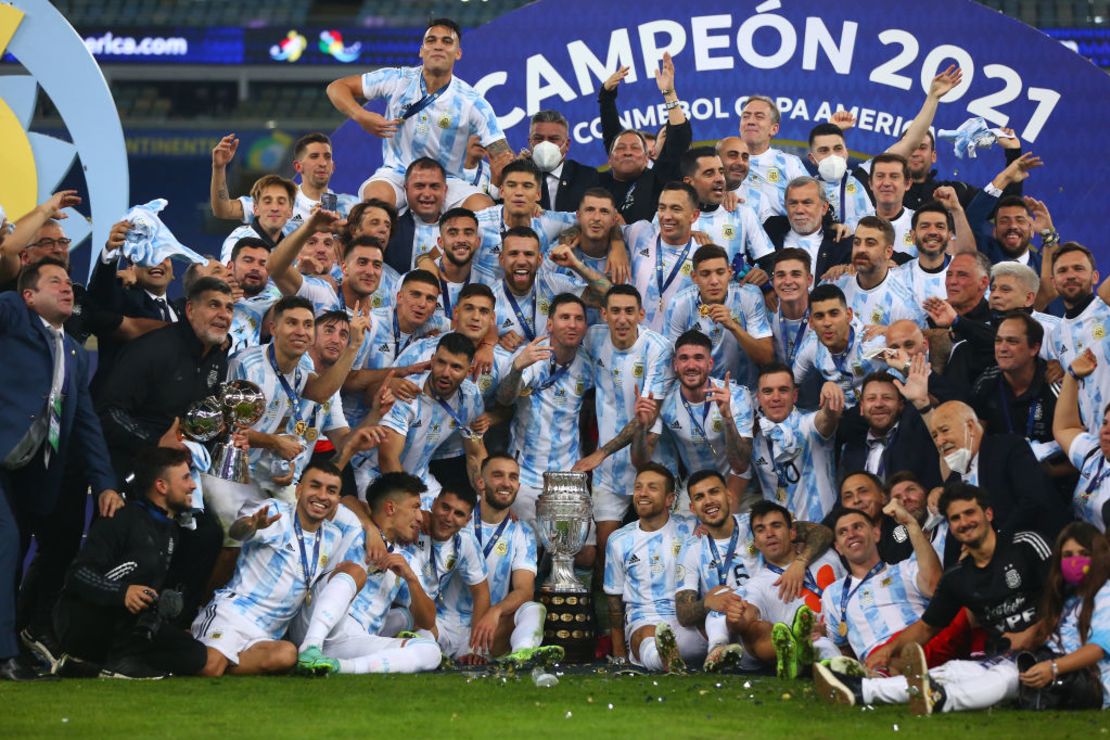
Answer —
414 656
528 632
396 620
716 629
649 655
331 606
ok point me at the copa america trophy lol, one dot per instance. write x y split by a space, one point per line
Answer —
563 515
239 403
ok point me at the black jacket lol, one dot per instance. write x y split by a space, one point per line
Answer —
972 348
398 253
156 378
575 179
831 252
911 448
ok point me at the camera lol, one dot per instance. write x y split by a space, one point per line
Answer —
329 201
165 608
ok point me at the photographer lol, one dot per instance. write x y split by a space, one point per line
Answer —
115 611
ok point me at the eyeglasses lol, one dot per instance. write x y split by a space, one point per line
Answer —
62 243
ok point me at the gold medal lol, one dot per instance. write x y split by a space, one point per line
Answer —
780 495
843 629
703 309
311 434
300 428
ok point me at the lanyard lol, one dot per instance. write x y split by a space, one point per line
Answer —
488 548
435 563
463 428
789 351
529 329
445 293
294 401
847 594
309 577
659 281
843 205
1030 419
809 582
699 426
841 361
1098 477
397 346
429 98
724 566
554 374
787 474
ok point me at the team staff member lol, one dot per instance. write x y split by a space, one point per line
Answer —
114 608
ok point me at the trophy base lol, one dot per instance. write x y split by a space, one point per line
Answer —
570 624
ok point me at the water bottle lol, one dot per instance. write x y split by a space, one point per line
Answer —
543 679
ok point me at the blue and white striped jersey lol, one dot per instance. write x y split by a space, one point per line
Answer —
877 609
1092 490
857 203
789 335
642 567
449 292
644 245
491 226
891 300
1094 390
903 232
441 130
753 197
698 431
383 589
922 283
246 319
324 297
544 433
738 231
302 206
617 374
1049 323
513 549
269 586
307 422
847 369
795 466
770 173
762 593
745 304
1072 336
1069 639
248 230
701 566
531 309
458 556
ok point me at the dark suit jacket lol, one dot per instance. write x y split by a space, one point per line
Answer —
25 378
911 449
398 253
1021 494
575 179
831 252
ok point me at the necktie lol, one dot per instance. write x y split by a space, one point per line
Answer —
163 309
546 201
54 402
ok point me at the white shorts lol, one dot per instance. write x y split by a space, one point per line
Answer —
457 190
231 634
691 643
609 506
349 639
227 499
454 637
524 505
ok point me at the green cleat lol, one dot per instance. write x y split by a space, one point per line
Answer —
407 635
542 655
786 651
667 646
802 629
306 661
722 657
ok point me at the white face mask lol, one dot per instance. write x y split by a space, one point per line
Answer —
959 460
546 156
832 168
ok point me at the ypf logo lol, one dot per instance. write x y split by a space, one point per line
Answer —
58 62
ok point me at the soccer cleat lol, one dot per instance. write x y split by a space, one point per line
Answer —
313 662
925 695
542 655
802 629
71 667
846 666
722 657
667 646
786 651
837 688
43 647
133 669
407 635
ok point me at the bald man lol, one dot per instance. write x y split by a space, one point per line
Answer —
736 157
1022 496
905 335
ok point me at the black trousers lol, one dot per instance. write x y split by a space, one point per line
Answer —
193 561
102 635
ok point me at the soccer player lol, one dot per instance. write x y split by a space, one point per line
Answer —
736 158
416 428
709 425
596 230
429 112
349 610
793 450
774 621
458 243
875 293
286 548
248 269
890 181
932 234
838 349
640 579
514 622
733 316
739 231
662 255
791 279
876 601
847 196
1088 452
272 196
524 295
770 169
629 360
545 383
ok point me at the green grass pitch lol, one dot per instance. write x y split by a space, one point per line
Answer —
455 705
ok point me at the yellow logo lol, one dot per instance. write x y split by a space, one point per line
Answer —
718 425
376 302
908 238
638 370
675 547
485 382
544 307
687 268
773 174
851 189
728 231
444 121
1098 332
502 548
579 388
323 560
877 316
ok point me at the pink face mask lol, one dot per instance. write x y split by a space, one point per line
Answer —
1075 569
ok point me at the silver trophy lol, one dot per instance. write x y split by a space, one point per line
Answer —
239 403
563 514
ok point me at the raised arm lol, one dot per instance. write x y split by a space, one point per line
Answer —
920 124
1066 424
223 205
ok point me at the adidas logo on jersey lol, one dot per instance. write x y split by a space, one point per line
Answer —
506 322
676 425
417 424
383 347
760 461
644 252
633 560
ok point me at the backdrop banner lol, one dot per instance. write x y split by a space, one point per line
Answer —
813 57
